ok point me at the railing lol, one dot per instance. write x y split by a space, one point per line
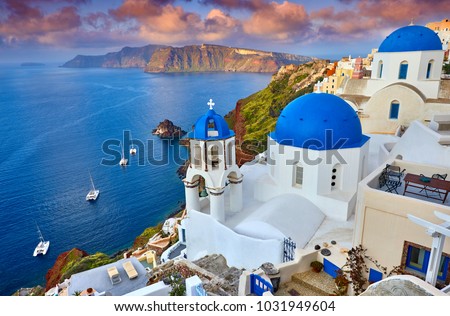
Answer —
289 249
200 290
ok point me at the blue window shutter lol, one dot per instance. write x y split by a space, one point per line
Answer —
375 276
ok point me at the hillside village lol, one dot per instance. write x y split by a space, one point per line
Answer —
348 195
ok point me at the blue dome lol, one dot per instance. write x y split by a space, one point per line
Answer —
211 126
319 121
411 38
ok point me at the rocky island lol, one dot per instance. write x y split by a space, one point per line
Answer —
192 58
166 129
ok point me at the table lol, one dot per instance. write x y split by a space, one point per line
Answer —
435 185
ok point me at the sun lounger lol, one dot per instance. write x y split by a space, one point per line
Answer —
130 270
114 275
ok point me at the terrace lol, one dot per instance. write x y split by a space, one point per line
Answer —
413 181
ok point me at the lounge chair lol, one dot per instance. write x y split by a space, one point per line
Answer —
114 275
130 270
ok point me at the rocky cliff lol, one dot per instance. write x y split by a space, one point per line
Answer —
255 116
166 129
194 58
71 262
128 57
203 58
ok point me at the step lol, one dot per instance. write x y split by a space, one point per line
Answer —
319 282
296 289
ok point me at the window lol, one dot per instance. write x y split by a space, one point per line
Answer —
215 156
429 68
380 69
298 175
197 156
336 177
230 153
394 110
403 72
417 260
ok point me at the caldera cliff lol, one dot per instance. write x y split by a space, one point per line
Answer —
255 116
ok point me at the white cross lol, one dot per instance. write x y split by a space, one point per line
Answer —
211 104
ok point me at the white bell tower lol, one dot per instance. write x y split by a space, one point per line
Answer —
213 168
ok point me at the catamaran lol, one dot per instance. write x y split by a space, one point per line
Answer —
42 247
93 193
123 161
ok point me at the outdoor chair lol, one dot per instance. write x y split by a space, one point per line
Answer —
391 178
429 190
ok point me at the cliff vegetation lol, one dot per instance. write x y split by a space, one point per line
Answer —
255 116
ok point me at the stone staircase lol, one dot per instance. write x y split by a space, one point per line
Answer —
308 283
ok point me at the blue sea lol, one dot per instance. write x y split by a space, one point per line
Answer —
53 123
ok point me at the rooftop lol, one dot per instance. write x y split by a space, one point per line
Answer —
99 280
414 183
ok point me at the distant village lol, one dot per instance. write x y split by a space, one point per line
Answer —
350 197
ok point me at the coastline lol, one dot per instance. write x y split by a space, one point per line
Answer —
94 258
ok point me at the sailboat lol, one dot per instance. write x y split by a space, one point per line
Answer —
42 247
93 193
132 149
123 161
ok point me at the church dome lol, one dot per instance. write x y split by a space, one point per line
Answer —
211 126
319 121
411 38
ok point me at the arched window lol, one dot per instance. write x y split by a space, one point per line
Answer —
297 180
403 71
380 69
230 157
430 68
197 161
336 177
215 156
394 110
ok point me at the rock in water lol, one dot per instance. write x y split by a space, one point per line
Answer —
166 129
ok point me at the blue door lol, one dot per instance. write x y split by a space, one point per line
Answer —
330 268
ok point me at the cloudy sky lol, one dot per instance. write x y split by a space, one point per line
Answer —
57 30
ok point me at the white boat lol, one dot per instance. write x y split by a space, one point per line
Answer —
123 161
42 247
133 149
93 193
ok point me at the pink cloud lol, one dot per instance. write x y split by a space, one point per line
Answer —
24 21
139 9
286 21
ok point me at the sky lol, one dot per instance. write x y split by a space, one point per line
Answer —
58 30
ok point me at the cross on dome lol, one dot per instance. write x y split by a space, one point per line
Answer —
211 104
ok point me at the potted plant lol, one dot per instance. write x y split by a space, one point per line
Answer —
341 283
317 266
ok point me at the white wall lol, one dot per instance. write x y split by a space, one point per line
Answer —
157 289
335 203
207 236
417 68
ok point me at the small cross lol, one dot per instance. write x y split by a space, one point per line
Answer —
211 104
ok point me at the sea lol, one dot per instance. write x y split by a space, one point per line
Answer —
58 126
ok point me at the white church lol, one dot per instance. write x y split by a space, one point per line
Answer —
316 156
304 188
405 83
